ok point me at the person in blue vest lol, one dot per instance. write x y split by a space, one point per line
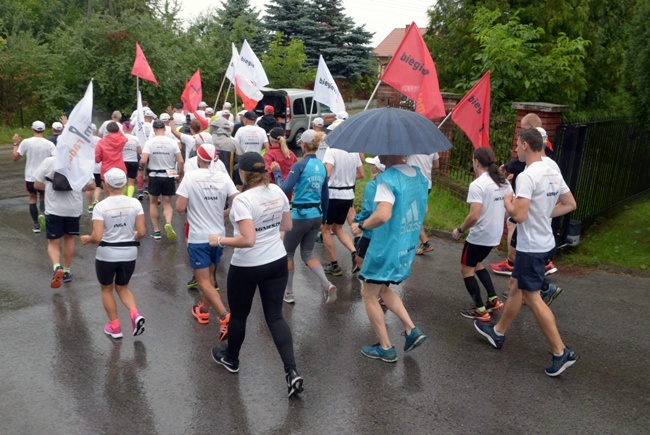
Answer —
308 179
401 200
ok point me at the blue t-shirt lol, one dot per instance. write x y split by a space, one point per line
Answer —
308 179
368 206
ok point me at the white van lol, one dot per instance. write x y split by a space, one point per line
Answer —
291 109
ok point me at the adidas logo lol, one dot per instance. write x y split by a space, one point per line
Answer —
411 222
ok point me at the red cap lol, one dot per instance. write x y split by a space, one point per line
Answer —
269 109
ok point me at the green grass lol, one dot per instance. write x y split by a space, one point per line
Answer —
621 237
7 133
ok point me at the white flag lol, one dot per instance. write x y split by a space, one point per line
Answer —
325 89
75 154
139 123
250 67
230 72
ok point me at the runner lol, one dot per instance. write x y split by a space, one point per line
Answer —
279 152
35 149
258 261
203 194
131 153
541 195
485 222
427 163
163 156
114 220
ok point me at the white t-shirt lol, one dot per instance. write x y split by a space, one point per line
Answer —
424 162
59 203
251 138
384 194
191 164
35 150
102 129
487 231
265 206
206 193
130 153
551 163
168 133
322 149
543 186
118 213
162 155
344 172
192 141
97 169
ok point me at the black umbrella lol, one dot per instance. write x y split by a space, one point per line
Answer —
388 131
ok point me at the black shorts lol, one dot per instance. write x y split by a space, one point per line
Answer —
58 226
529 269
98 180
29 186
109 272
337 211
131 169
373 281
513 240
362 247
474 254
165 186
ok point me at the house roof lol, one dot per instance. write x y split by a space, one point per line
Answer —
387 47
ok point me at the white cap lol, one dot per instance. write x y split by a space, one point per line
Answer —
115 177
38 126
179 118
375 161
225 112
203 104
342 115
241 114
308 136
209 111
318 122
93 127
543 133
164 117
227 105
57 126
149 113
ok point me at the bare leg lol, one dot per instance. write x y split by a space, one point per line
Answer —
168 212
343 237
153 212
394 303
53 250
512 252
205 278
545 320
68 250
109 301
126 296
511 310
328 242
375 314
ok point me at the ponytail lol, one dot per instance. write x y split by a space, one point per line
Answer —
485 157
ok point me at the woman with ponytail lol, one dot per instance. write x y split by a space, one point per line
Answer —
279 152
485 223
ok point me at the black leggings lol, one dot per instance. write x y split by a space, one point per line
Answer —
271 279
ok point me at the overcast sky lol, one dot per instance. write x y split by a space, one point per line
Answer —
379 16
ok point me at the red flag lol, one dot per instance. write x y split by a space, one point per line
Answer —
141 67
472 114
412 72
192 96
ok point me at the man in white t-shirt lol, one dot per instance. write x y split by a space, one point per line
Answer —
427 163
165 164
541 195
116 117
250 136
191 141
201 109
62 213
226 106
343 169
203 193
35 149
130 153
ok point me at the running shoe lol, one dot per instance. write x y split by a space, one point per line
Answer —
41 222
551 294
57 277
193 282
201 314
488 332
90 209
495 304
171 234
550 268
330 294
67 277
113 332
424 248
140 195
155 235
474 314
502 268
413 339
377 352
333 270
137 324
355 268
219 356
319 238
288 297
36 228
294 383
146 191
223 327
562 362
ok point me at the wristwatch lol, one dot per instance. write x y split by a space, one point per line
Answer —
361 226
460 230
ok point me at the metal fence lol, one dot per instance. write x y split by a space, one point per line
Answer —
604 162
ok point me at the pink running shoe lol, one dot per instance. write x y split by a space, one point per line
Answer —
113 332
137 324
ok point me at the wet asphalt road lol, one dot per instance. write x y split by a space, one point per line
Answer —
61 375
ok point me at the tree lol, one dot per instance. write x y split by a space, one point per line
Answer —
239 16
289 17
285 64
637 64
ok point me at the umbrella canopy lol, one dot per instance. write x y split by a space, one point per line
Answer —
388 131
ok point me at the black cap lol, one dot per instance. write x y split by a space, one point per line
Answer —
158 124
178 106
252 162
250 115
277 132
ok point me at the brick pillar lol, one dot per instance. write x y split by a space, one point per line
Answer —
550 114
388 96
450 100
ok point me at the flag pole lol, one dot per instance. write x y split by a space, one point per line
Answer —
219 94
372 96
228 91
444 120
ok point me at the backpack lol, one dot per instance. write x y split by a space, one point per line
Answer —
59 182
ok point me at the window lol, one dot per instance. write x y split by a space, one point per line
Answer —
324 108
314 108
298 107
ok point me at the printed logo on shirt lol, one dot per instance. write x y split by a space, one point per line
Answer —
411 222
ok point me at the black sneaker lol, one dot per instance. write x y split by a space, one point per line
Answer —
193 282
355 268
294 383
219 356
488 332
333 270
562 362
